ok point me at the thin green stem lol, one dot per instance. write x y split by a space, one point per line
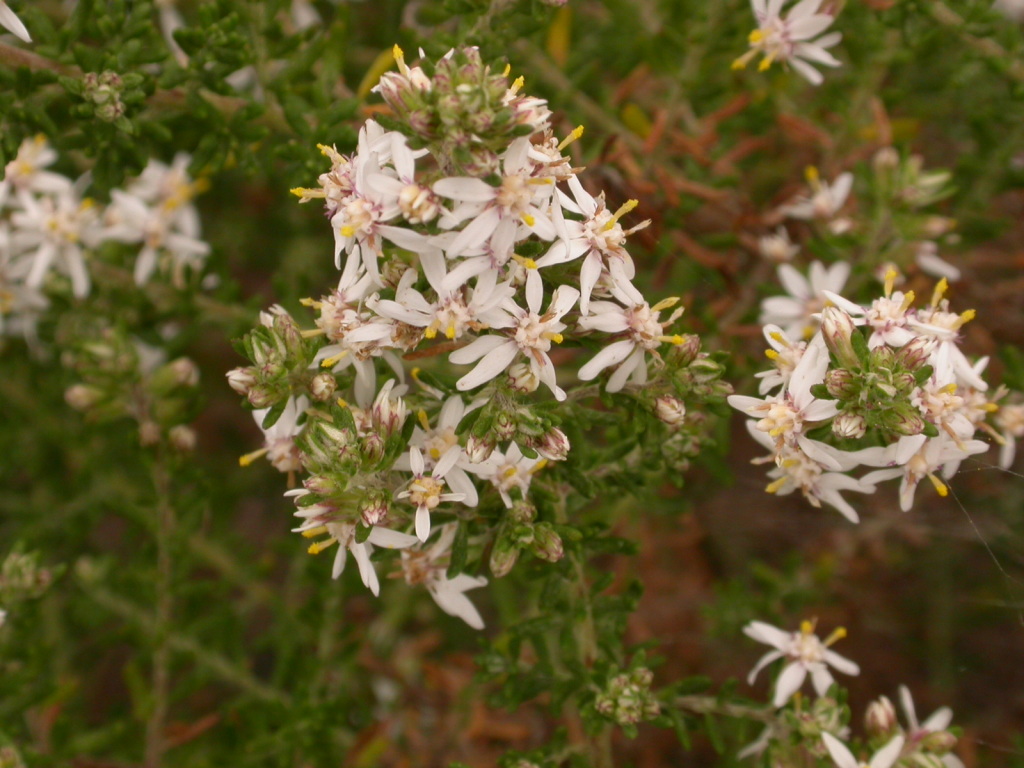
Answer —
156 743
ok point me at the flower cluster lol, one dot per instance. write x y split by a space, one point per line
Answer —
884 385
464 235
820 728
49 230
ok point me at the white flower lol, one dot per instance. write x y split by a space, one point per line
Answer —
600 239
425 490
641 331
785 355
1010 419
26 170
322 520
885 757
531 335
497 213
508 470
786 417
777 247
916 458
10 21
428 568
805 653
794 39
927 257
889 316
807 297
825 199
55 228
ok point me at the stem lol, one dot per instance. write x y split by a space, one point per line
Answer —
600 747
156 744
709 705
988 47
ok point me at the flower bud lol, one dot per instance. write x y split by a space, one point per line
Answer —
522 512
503 557
185 372
704 370
522 378
547 544
504 426
939 742
914 353
322 387
670 409
374 507
388 413
260 396
182 437
837 329
849 424
82 397
880 718
553 445
373 446
885 159
904 419
320 485
479 448
149 433
842 384
241 380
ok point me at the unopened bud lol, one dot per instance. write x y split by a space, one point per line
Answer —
479 448
547 544
375 507
885 159
522 378
670 410
322 387
182 437
82 397
320 485
849 424
504 426
915 352
373 446
185 372
553 445
837 329
241 380
904 420
939 742
503 557
842 384
880 718
261 397
704 370
522 512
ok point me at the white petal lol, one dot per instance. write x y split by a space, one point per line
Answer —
789 682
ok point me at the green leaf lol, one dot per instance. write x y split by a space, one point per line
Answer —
274 413
460 549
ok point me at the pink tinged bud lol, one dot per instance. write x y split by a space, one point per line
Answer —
670 410
837 328
880 718
479 448
241 380
687 351
504 426
553 445
373 446
939 742
149 433
503 557
322 387
320 484
547 544
915 353
182 437
842 384
375 508
522 512
849 424
261 397
522 379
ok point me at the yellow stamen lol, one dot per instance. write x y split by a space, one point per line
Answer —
940 487
740 63
908 299
990 407
517 84
676 340
625 208
399 55
342 403
305 192
424 421
965 317
319 546
949 389
766 62
538 466
574 134
330 362
311 302
347 231
310 533
890 280
671 301
431 330
807 627
509 472
771 354
450 331
776 336
528 220
555 337
508 69
940 288
249 458
837 634
312 333
776 485
756 36
812 176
